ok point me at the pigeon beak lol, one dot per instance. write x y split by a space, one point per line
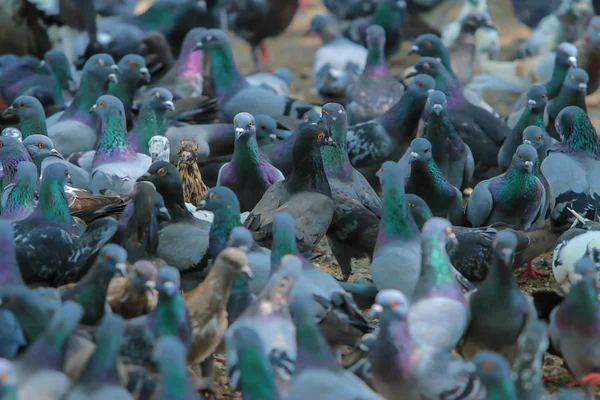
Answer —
150 286
169 105
92 109
246 270
453 238
56 154
413 50
145 74
69 181
114 68
170 288
113 78
198 46
531 103
10 111
412 73
42 63
583 87
238 132
185 156
527 141
375 309
201 206
330 142
121 269
529 166
72 86
572 61
414 155
164 215
437 108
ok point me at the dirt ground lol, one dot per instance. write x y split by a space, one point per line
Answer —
295 50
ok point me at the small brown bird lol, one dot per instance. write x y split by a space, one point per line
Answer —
134 295
194 188
207 307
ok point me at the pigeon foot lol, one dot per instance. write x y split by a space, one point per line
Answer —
531 272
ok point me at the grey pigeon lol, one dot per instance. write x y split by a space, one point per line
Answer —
572 93
318 375
132 72
572 167
259 258
32 119
338 63
116 166
19 199
495 374
426 181
532 343
401 369
538 138
499 311
376 91
516 197
278 81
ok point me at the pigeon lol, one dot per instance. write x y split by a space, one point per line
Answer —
401 369
538 138
157 53
569 167
248 174
278 81
132 71
12 152
426 180
338 63
452 156
100 378
12 132
532 344
439 313
430 45
171 358
494 373
40 369
256 20
269 317
317 374
152 119
138 225
390 15
499 311
516 197
194 189
19 199
76 129
116 165
32 120
452 30
133 295
350 10
233 91
572 324
8 389
184 241
159 148
305 194
572 93
376 91
397 256
90 292
259 258
58 257
357 208
532 115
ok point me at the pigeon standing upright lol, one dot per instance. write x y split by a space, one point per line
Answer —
572 93
151 120
19 198
132 71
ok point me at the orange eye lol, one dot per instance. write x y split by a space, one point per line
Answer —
410 204
320 136
11 299
212 196
41 145
394 305
448 230
323 112
101 104
420 84
488 366
157 95
162 171
519 155
539 138
428 44
381 169
251 124
131 64
106 257
543 96
1 144
306 118
523 134
195 149
66 172
135 189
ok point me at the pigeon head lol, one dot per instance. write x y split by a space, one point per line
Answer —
245 126
57 172
233 262
375 36
266 127
391 174
475 20
525 158
428 66
428 45
187 151
12 132
163 175
436 102
112 259
440 228
144 196
494 372
143 276
132 68
537 97
40 147
26 107
18 298
320 24
107 106
577 132
566 55
159 148
419 209
288 272
504 246
420 151
421 84
241 238
309 117
219 198
333 115
390 300
168 281
577 79
61 67
160 100
534 136
211 39
102 68
313 136
10 146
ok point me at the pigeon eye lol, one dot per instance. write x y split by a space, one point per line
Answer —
428 44
106 257
488 366
426 150
543 96
209 38
101 104
66 172
11 299
131 64
420 84
21 104
251 124
135 189
322 112
320 136
1 144
161 171
523 134
212 196
539 138
306 118
195 149
41 145
573 78
157 95
519 155
394 305
381 169
47 59
426 66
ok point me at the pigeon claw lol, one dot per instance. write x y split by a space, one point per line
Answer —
592 379
531 272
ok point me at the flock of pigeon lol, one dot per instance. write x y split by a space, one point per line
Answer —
163 210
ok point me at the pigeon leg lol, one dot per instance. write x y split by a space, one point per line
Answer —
265 56
592 379
530 271
343 256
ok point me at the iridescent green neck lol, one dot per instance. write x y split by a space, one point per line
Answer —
335 158
435 265
397 222
113 145
150 123
124 90
503 389
226 79
33 125
581 304
284 242
21 198
170 311
225 220
246 152
257 378
385 16
53 206
583 139
555 83
89 90
514 183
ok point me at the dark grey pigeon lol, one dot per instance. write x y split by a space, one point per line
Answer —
572 93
